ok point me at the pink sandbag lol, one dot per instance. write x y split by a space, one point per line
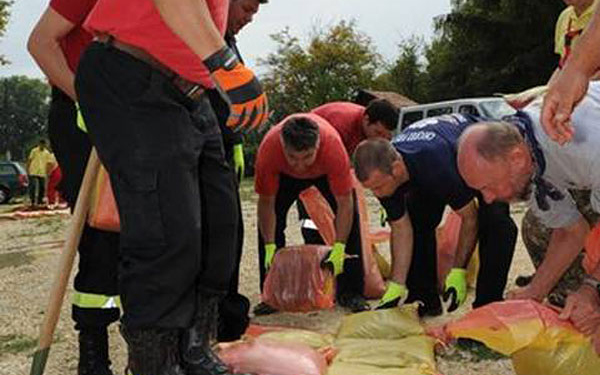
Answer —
296 282
273 358
321 214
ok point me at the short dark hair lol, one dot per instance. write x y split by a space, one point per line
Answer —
300 133
384 111
374 154
498 139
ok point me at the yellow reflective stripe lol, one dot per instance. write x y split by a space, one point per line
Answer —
95 301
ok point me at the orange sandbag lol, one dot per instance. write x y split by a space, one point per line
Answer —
321 214
296 281
266 357
103 212
533 335
592 250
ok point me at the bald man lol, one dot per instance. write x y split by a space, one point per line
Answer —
516 160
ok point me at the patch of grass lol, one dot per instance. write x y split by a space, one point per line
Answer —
16 343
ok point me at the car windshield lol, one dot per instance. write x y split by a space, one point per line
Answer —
496 109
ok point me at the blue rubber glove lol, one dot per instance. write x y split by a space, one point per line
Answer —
455 290
395 295
335 258
238 161
269 254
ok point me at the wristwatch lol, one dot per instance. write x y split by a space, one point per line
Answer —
593 283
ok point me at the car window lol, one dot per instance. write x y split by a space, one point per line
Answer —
496 109
439 111
410 117
7 170
468 109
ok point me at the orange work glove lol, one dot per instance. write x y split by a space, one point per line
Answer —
240 87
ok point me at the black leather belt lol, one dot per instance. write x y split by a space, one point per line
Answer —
190 89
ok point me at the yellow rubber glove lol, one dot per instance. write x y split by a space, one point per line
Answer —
455 290
269 254
80 122
335 258
395 295
382 216
238 161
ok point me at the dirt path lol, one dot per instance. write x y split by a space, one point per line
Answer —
29 252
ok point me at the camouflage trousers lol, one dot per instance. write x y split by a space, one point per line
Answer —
536 237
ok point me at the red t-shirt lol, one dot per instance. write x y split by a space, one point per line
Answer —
347 119
331 161
137 22
78 38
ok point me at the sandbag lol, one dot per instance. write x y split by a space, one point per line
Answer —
312 339
266 357
533 335
296 282
341 368
103 213
409 352
387 324
320 212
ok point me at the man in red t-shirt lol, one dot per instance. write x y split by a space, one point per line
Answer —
141 88
302 151
354 123
56 43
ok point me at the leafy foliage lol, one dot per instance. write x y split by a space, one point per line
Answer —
488 46
23 111
4 15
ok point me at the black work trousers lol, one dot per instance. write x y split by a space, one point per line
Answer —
173 188
351 281
96 291
497 236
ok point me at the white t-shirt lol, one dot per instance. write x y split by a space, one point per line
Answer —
575 165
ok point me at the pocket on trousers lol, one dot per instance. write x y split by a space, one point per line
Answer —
139 209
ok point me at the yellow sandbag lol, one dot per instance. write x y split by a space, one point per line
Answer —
310 338
385 324
537 341
410 352
340 368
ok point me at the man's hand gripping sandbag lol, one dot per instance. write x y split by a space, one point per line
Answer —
241 89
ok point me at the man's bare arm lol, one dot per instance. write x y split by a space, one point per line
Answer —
266 217
192 22
344 217
467 237
401 246
44 47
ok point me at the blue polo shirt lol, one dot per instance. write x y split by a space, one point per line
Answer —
428 148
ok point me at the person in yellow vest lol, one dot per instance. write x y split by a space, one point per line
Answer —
569 26
37 167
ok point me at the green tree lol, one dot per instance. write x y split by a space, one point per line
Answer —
337 62
23 112
4 15
487 46
406 75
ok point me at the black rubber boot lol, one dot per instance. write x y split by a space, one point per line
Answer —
153 351
197 354
93 352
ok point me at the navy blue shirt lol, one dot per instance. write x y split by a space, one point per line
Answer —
428 148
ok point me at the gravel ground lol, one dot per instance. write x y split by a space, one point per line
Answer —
29 252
